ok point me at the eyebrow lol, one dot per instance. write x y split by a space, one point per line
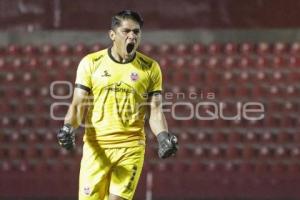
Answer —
127 29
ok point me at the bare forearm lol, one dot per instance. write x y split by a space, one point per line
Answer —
158 122
74 116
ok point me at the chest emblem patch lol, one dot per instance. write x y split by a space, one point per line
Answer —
134 76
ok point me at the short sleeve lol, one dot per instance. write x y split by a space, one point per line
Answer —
155 79
83 75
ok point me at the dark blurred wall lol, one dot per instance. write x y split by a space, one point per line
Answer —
174 14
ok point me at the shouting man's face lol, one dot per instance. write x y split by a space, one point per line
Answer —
126 38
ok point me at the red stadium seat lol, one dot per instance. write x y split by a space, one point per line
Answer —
43 91
7 122
216 152
24 166
30 50
290 91
179 75
65 64
262 62
6 166
245 62
96 47
214 167
295 151
243 77
295 48
267 137
293 61
80 50
214 48
263 48
185 137
64 49
264 153
281 153
202 137
274 91
33 63
147 48
227 77
278 61
277 76
49 64
195 74
165 49
229 62
48 49
182 49
11 79
198 49
13 49
280 48
200 152
230 48
246 48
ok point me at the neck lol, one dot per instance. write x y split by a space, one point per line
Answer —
119 57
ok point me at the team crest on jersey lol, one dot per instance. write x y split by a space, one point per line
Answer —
134 76
87 190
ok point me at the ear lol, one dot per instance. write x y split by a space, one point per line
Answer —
112 35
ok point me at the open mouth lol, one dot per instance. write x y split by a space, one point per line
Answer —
130 47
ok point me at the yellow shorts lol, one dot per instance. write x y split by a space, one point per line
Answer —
110 170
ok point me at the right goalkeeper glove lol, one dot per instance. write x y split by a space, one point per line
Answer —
167 144
66 137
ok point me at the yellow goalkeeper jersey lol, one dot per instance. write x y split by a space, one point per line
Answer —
118 94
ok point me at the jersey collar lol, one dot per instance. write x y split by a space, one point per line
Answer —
111 57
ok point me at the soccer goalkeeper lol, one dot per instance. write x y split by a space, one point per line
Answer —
115 83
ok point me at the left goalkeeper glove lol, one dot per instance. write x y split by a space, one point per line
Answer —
167 144
66 137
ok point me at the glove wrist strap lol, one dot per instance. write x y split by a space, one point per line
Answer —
68 127
162 136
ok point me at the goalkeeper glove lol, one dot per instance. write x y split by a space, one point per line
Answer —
167 144
66 137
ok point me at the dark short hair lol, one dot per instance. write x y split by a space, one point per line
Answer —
126 14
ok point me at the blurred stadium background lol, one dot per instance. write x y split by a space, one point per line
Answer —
239 50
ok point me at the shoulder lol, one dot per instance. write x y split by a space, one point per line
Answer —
96 56
92 60
145 61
